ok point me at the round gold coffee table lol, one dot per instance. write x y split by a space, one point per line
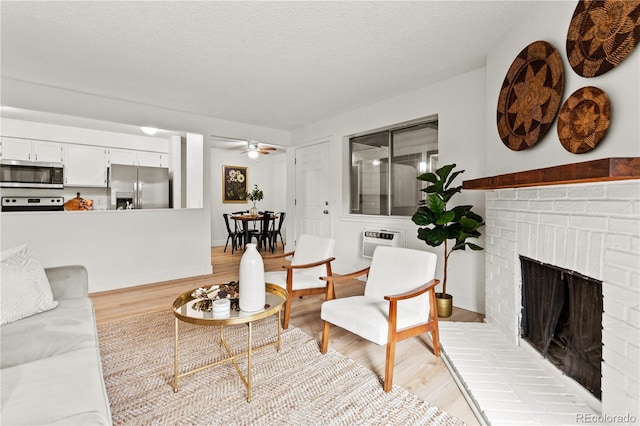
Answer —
183 311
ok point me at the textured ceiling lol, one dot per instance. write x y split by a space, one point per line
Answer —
275 64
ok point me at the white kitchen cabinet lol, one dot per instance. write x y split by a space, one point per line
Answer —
31 150
152 159
85 165
16 149
48 151
122 156
138 158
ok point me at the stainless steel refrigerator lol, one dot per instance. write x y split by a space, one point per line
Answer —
138 187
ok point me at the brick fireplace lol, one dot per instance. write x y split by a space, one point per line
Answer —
592 228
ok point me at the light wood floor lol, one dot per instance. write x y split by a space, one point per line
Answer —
416 370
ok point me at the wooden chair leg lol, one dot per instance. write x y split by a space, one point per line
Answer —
287 313
435 338
388 366
325 337
435 332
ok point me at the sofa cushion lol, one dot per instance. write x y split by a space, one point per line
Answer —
69 327
25 289
62 389
68 281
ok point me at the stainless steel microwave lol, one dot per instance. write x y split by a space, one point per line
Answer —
31 174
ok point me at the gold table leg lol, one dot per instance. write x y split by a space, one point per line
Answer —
175 360
231 357
279 327
249 366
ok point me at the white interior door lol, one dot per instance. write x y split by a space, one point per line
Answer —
313 212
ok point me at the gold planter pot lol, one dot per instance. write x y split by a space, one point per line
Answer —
444 304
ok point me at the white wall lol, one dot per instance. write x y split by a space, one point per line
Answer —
268 172
622 85
459 103
195 182
175 170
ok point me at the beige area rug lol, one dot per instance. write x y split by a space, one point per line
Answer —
297 386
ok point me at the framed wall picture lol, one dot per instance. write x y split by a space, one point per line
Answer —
234 184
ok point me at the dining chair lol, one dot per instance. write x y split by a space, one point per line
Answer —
231 235
399 302
270 230
278 231
311 259
240 227
254 231
263 235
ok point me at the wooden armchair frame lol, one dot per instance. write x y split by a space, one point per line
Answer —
394 335
300 292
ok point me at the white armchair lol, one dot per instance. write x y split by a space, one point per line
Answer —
399 302
311 259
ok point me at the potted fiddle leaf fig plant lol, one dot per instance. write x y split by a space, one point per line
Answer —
440 224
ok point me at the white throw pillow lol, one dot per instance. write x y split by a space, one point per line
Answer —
25 289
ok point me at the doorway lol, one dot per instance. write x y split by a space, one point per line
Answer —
312 191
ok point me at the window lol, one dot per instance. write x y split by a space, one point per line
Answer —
385 165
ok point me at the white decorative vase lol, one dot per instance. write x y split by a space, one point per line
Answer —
254 209
252 286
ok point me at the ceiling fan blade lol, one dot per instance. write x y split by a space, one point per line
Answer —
254 147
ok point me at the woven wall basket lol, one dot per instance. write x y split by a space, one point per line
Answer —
584 119
530 96
602 34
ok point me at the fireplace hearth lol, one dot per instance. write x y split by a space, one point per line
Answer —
562 319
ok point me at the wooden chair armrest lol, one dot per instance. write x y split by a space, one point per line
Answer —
343 277
309 265
415 292
331 279
277 256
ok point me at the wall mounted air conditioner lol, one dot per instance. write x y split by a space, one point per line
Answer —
372 238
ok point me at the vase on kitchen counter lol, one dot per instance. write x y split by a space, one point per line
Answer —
252 284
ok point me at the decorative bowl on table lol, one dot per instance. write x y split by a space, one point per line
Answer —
207 296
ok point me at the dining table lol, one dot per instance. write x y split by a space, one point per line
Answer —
245 218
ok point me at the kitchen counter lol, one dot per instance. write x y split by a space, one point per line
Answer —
87 211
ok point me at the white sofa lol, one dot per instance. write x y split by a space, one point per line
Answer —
51 369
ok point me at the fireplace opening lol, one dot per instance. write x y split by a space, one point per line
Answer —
562 319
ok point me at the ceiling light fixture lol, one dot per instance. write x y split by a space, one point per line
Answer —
149 130
253 150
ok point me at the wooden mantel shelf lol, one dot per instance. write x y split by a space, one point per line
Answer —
605 169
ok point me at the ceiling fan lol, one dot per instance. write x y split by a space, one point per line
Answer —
254 148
